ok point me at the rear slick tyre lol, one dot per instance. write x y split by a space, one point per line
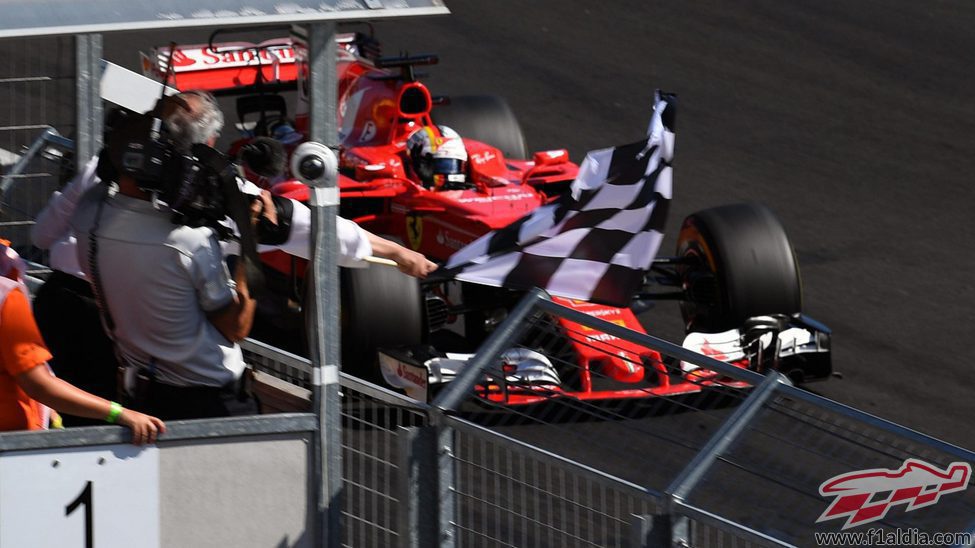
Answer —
738 264
484 118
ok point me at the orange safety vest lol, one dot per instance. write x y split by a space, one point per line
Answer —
21 349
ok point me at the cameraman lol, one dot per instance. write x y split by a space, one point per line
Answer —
171 305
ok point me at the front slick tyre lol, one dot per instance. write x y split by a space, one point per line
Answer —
738 264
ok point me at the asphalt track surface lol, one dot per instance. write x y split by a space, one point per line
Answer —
852 121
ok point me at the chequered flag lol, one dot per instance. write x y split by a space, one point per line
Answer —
599 240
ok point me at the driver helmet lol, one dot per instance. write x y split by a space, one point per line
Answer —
439 157
285 133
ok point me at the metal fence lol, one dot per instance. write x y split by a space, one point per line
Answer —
407 465
731 458
509 493
378 427
729 454
37 83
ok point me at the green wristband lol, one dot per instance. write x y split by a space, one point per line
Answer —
114 413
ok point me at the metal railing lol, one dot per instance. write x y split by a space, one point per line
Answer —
510 493
37 83
378 427
729 458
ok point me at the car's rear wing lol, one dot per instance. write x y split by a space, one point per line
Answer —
234 67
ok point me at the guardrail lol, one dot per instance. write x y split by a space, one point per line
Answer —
241 481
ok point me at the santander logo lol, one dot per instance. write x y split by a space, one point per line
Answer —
180 59
411 377
866 496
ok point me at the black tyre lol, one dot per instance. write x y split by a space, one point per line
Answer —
739 264
381 307
485 118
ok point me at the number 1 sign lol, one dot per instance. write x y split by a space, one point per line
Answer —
86 497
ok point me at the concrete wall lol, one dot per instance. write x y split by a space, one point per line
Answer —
236 492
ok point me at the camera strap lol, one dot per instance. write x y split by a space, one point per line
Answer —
238 209
96 287
96 279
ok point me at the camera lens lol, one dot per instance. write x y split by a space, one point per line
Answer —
312 168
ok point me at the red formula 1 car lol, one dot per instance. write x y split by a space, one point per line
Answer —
386 118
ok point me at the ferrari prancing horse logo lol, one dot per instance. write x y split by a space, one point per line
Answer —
414 230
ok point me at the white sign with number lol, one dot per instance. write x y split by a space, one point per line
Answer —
85 497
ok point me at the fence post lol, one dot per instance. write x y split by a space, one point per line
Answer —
88 102
659 531
689 477
447 477
650 531
729 431
419 486
323 300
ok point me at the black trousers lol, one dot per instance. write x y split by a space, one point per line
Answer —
170 402
68 318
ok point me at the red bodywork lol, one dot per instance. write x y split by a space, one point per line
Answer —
377 112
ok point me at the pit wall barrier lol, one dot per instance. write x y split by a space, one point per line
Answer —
228 482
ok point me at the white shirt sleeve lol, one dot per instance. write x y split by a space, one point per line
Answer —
52 224
354 243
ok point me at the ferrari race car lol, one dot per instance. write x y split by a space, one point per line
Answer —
734 271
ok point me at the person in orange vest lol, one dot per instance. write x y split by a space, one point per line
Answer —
27 385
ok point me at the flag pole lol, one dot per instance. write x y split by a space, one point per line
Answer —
381 260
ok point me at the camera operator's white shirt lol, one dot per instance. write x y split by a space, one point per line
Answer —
159 282
51 229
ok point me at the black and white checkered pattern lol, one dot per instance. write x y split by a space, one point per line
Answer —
597 243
